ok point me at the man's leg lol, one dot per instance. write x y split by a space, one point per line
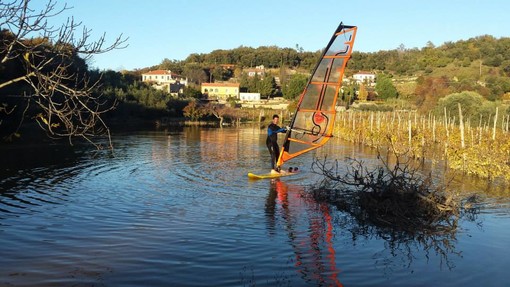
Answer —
270 149
276 152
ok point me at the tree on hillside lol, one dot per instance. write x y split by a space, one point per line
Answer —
253 84
498 86
244 82
362 93
295 86
283 75
190 92
238 72
384 87
41 66
194 111
221 74
470 103
194 58
267 86
172 65
195 73
429 90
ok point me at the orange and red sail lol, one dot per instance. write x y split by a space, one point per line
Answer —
312 124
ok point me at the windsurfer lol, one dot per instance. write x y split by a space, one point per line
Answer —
272 141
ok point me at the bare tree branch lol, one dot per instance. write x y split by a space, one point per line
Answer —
55 70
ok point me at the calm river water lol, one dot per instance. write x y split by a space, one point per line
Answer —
175 208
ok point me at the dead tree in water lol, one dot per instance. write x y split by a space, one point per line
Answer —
397 196
396 203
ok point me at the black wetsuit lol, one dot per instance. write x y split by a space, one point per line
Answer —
272 142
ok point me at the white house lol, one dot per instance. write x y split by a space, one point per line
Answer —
249 96
364 77
165 80
258 70
163 77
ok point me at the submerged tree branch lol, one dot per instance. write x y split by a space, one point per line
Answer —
397 196
396 202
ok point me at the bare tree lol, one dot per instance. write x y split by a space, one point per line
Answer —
50 63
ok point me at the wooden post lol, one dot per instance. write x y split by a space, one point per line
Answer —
398 122
461 126
434 129
423 119
447 134
469 129
495 122
446 123
480 130
354 124
409 133
371 121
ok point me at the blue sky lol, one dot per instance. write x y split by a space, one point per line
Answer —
173 29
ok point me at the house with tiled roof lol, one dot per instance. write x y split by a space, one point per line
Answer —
220 91
364 77
258 70
165 80
228 66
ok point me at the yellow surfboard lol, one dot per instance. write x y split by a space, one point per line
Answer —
270 175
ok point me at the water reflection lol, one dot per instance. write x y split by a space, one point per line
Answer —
403 245
178 204
309 229
314 230
40 169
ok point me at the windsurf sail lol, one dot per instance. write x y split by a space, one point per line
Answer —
312 124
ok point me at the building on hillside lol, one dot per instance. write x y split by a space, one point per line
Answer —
228 66
220 91
254 97
258 70
364 77
165 80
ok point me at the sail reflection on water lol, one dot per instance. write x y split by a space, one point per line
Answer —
309 230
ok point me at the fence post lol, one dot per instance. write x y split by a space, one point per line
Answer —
446 123
371 121
461 126
495 122
410 133
434 129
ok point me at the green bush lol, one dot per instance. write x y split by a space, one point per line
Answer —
470 103
374 108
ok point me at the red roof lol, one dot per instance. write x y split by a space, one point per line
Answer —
158 72
162 72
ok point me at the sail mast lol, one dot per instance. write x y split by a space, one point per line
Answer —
312 123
